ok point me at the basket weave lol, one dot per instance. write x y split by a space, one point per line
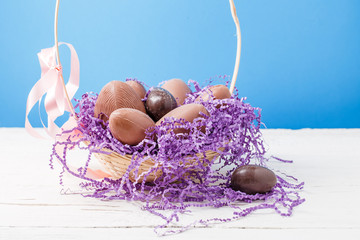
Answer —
118 164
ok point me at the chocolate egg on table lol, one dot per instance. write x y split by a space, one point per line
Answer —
138 88
187 112
128 125
218 91
178 88
159 102
252 179
115 95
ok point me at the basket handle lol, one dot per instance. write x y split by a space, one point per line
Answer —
237 61
238 45
68 100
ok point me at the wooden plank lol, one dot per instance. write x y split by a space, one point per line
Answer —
328 160
199 233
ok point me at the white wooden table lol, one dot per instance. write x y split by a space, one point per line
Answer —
328 160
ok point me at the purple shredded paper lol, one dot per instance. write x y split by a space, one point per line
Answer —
232 129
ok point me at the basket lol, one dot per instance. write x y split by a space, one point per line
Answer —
117 164
169 172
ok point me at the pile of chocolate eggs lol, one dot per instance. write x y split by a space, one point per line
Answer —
130 111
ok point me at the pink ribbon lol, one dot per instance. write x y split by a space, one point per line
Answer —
56 102
50 83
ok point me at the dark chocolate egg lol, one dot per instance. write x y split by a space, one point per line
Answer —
128 125
159 102
115 95
178 88
252 179
138 88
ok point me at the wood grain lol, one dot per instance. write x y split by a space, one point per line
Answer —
328 160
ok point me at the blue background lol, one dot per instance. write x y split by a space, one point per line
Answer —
300 59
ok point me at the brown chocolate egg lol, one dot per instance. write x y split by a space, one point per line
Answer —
218 91
187 112
138 88
115 95
178 88
159 102
252 179
128 125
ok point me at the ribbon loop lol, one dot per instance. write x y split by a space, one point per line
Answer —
50 83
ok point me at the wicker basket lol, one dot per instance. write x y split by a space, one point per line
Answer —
118 164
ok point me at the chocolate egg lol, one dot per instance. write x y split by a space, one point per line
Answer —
252 179
159 102
178 88
138 88
218 91
187 112
128 125
115 95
